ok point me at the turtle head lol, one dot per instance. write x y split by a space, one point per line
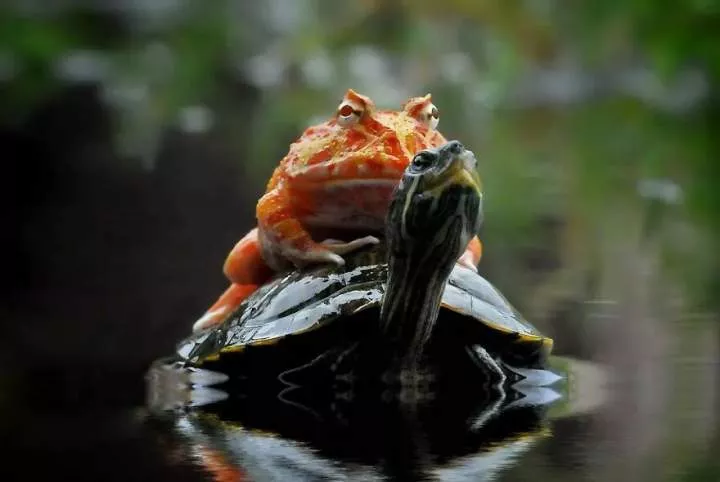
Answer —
436 208
435 211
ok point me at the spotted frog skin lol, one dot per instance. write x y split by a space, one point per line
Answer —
337 177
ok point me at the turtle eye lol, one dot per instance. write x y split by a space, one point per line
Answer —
422 161
348 115
430 116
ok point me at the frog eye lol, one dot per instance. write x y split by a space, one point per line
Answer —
430 116
348 115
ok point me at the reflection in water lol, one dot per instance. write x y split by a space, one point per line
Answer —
313 436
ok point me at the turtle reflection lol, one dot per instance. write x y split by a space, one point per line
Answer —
265 438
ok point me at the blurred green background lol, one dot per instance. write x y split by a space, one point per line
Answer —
137 136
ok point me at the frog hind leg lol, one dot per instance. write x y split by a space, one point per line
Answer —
471 257
245 265
246 270
224 306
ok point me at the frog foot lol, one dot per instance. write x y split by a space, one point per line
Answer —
471 257
340 247
228 302
330 251
467 261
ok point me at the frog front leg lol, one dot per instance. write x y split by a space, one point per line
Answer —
284 238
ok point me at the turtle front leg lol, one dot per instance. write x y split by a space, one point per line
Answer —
471 257
491 368
285 238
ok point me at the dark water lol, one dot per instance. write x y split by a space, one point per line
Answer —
578 429
300 437
65 429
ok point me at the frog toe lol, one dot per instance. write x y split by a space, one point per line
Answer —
340 247
322 256
467 261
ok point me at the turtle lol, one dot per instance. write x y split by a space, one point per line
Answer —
400 306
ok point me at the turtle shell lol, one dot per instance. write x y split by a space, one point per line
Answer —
299 303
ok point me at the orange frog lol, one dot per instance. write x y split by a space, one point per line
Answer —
338 177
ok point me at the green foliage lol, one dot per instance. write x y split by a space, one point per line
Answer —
573 162
35 43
